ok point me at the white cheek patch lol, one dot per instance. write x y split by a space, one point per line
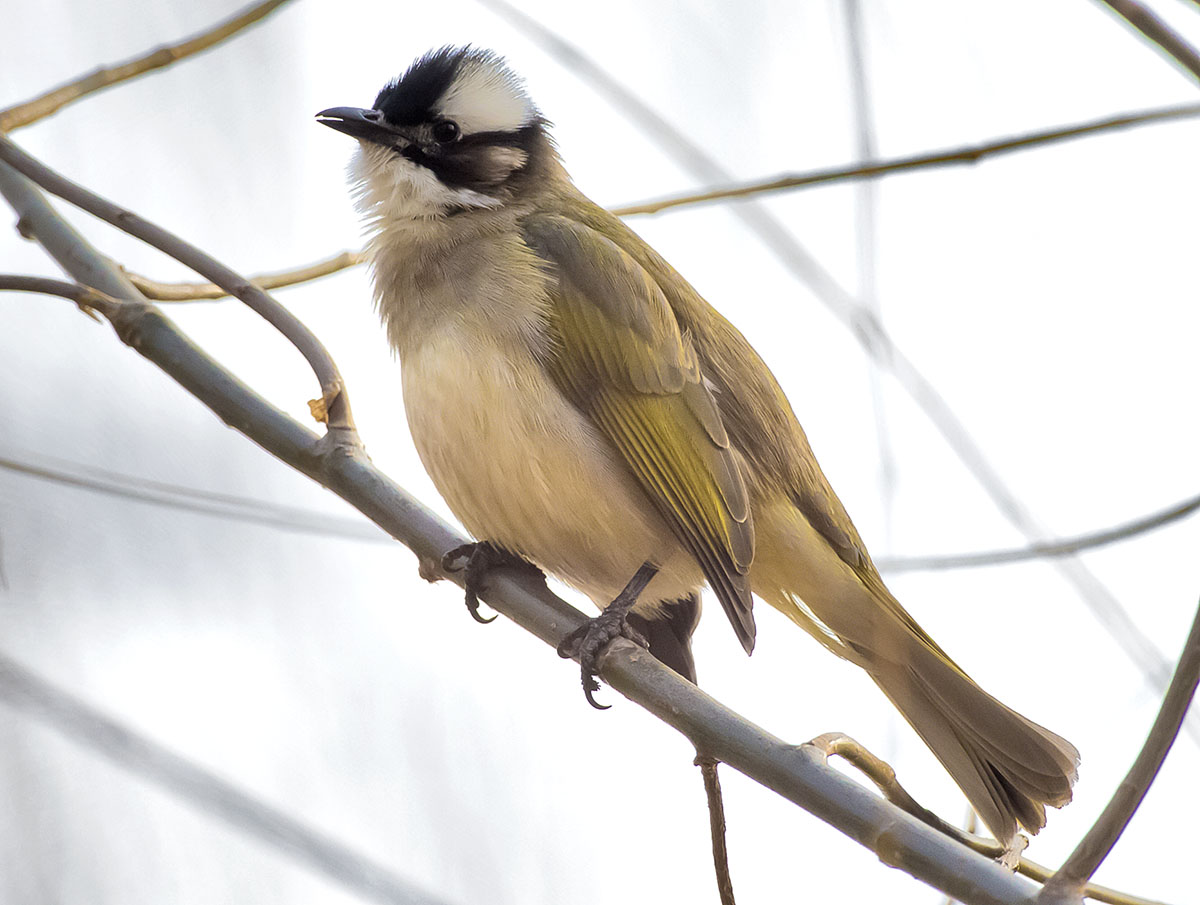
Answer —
486 97
388 186
498 163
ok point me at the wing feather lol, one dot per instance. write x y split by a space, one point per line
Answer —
622 359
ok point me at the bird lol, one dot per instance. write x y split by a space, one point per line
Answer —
581 408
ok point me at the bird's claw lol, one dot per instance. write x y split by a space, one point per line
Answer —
477 560
588 641
471 559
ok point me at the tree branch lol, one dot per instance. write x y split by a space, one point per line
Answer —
866 235
881 774
1066 886
52 101
1063 547
334 405
798 774
966 154
192 292
88 300
188 499
1159 32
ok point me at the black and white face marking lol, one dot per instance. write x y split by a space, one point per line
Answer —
450 134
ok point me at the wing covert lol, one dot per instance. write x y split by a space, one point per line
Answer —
621 358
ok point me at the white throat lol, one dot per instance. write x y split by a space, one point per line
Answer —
388 187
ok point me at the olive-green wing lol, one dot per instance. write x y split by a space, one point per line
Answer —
620 357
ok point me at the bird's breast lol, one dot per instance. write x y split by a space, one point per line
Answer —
522 467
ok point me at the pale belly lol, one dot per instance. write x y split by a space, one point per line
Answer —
520 466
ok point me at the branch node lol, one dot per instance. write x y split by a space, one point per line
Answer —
128 319
429 568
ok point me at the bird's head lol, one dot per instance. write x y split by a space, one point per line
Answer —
455 132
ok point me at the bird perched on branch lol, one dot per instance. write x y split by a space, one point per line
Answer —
581 407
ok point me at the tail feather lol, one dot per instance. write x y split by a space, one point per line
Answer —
1033 756
1009 767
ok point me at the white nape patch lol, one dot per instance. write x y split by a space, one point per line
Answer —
486 97
387 186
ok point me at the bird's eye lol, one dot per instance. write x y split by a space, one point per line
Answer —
445 131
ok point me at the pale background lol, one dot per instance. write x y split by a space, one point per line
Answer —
1050 296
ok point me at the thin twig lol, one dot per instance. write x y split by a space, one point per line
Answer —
191 292
188 499
716 826
334 405
1063 547
89 300
1159 32
967 154
1066 886
183 292
866 232
54 100
883 776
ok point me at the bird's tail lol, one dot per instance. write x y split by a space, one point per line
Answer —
1008 766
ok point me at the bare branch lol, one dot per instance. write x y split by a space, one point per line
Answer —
966 154
190 292
89 300
866 230
27 692
334 404
1066 886
883 776
52 101
188 499
799 775
1095 891
1063 547
182 292
1159 32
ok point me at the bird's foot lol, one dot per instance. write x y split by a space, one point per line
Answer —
478 560
588 641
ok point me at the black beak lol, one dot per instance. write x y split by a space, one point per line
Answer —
357 122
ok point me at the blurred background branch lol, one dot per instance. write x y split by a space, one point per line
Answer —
1154 28
106 76
1068 884
28 693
